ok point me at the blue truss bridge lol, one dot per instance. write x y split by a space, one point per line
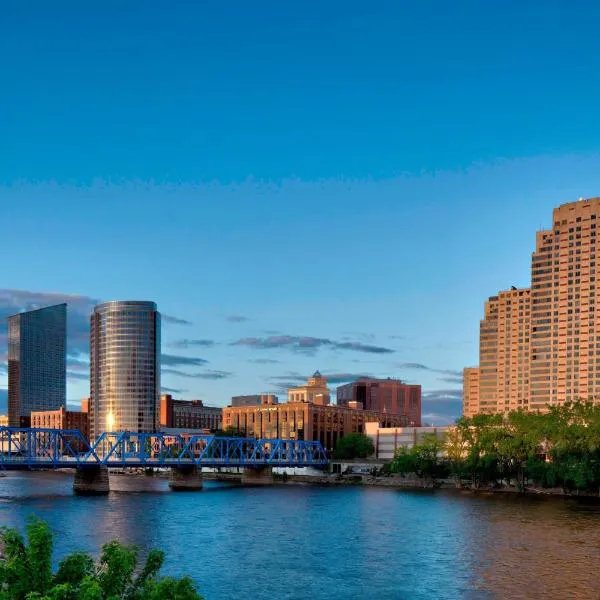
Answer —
30 448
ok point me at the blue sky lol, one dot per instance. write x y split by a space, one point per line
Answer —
350 180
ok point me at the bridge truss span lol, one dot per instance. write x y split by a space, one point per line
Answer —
24 448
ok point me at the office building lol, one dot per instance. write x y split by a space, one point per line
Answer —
540 346
189 414
3 420
254 400
37 358
470 391
390 396
306 416
124 367
61 419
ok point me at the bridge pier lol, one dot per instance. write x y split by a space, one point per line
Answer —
91 480
185 478
258 476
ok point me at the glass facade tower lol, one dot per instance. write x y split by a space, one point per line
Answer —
37 362
124 367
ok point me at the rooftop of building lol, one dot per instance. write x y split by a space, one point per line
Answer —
125 304
34 310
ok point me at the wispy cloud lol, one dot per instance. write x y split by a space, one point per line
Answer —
186 343
236 318
210 374
77 375
451 379
421 367
173 360
168 390
263 361
174 320
307 344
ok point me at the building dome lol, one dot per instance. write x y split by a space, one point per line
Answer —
317 374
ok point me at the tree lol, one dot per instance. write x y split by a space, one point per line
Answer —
229 432
353 445
26 572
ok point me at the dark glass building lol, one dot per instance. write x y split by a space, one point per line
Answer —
124 367
37 363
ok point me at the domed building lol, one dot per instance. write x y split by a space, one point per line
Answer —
314 392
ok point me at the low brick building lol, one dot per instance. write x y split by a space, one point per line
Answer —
61 419
189 414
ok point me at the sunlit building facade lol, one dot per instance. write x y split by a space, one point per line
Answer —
124 367
540 346
470 391
307 416
37 362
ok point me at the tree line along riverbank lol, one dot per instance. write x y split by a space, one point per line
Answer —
557 453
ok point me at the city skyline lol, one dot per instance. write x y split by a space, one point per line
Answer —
296 189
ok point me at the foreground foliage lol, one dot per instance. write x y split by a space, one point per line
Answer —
26 572
558 449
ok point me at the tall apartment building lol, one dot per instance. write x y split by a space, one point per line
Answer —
470 391
541 347
124 367
37 362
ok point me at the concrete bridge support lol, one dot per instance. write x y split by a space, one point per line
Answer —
91 480
258 476
185 478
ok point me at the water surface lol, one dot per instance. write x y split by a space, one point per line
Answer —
316 543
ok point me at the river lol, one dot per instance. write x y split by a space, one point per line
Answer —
316 543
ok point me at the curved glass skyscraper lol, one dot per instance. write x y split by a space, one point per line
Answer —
124 367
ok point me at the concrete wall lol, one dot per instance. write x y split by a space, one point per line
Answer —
387 439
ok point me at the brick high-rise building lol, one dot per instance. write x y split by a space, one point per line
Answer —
541 346
388 396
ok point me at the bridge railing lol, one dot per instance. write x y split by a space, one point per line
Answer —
58 448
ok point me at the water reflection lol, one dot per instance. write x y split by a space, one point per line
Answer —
318 543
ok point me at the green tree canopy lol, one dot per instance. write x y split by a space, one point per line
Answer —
26 571
229 432
353 445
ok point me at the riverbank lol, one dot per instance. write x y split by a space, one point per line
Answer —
413 483
391 482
